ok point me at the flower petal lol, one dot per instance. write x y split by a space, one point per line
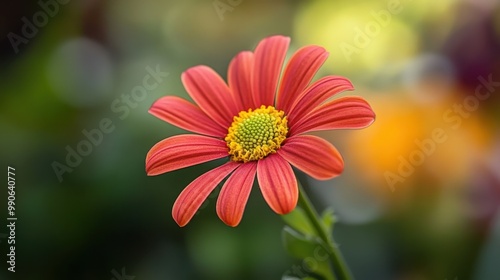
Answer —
234 194
211 93
316 94
191 198
299 72
327 162
277 183
239 77
183 114
343 113
269 56
181 151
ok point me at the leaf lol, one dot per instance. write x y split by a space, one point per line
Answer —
298 245
310 250
328 218
298 220
287 277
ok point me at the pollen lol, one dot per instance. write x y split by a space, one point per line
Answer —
254 134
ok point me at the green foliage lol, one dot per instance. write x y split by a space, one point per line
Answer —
302 242
328 218
298 245
297 219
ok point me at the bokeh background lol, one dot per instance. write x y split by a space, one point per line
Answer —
68 65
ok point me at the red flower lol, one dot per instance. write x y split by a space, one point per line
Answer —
258 122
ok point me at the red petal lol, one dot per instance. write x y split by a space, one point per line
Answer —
326 164
211 93
191 198
269 56
239 77
316 94
183 114
234 194
299 72
182 151
343 113
277 183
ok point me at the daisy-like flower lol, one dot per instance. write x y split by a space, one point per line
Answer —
258 122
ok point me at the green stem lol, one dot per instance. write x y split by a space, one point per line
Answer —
335 255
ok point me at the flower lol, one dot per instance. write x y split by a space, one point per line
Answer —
257 121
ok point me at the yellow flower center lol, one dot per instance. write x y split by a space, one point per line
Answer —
254 134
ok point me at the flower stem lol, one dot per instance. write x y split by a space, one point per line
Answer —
335 255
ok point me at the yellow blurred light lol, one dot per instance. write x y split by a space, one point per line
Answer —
367 35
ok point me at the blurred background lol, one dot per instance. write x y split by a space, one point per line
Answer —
420 195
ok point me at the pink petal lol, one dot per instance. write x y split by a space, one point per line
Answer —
343 113
191 198
211 93
316 94
277 183
239 77
183 114
181 151
269 56
326 164
234 194
299 72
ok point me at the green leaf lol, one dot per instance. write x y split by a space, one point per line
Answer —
287 277
310 250
328 218
298 245
298 220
